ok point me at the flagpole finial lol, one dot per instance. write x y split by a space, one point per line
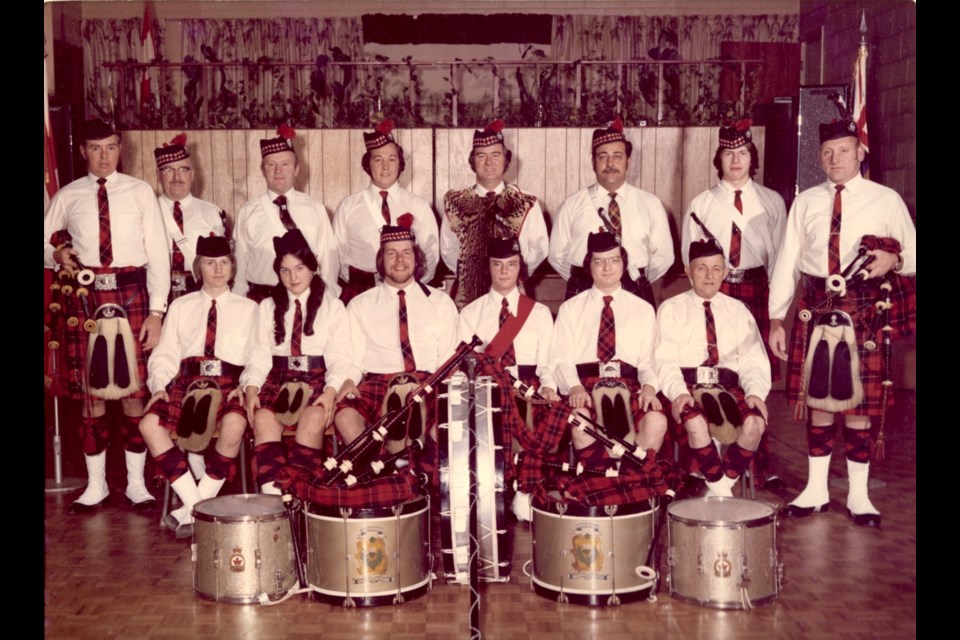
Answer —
863 22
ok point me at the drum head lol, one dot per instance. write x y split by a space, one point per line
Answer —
720 510
239 507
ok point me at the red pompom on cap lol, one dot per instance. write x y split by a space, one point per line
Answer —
286 131
496 125
180 139
405 221
385 126
617 124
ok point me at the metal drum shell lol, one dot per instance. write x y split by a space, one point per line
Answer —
495 540
242 547
728 537
624 540
334 570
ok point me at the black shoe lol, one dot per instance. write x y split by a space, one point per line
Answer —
79 507
143 506
180 531
774 483
865 519
795 511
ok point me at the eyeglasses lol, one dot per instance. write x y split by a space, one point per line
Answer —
509 266
614 261
168 171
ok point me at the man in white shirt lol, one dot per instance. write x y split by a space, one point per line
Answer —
401 326
748 221
185 217
209 336
709 341
491 208
109 223
825 230
606 335
361 215
279 210
636 218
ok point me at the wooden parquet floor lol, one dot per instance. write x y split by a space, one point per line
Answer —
117 574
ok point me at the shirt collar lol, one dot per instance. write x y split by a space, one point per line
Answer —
597 294
392 189
207 297
110 178
513 298
480 191
302 297
183 202
273 195
729 188
852 184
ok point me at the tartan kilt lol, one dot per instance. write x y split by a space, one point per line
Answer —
871 362
169 412
380 492
316 378
135 301
756 294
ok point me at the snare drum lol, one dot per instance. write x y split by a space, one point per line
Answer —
494 545
368 557
242 548
592 555
723 552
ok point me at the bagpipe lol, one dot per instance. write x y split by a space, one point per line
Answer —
370 440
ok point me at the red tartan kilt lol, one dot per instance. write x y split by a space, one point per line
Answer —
871 362
316 378
380 492
134 299
756 296
169 412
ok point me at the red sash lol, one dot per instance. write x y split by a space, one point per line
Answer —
504 338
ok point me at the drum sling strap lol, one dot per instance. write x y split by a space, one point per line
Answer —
510 329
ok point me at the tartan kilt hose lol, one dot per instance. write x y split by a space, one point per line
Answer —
316 378
169 412
132 296
859 303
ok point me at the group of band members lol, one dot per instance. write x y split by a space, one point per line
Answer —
313 355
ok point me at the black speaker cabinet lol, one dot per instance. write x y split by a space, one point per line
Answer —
816 107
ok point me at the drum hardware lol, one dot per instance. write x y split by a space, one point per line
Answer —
722 552
374 434
243 553
384 557
474 547
592 555
456 477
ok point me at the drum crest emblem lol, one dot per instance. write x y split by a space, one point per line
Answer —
722 566
587 548
371 553
236 560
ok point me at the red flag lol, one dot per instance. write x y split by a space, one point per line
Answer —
147 54
859 110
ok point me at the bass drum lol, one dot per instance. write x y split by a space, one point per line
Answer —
368 557
494 544
242 548
592 555
723 552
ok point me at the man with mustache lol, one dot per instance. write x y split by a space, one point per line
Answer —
636 218
185 217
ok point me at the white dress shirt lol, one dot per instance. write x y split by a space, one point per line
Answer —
258 223
577 328
375 329
531 346
645 230
868 209
534 241
761 223
330 339
682 342
200 219
137 236
358 220
184 334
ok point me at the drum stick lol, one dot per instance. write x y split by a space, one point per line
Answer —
290 506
